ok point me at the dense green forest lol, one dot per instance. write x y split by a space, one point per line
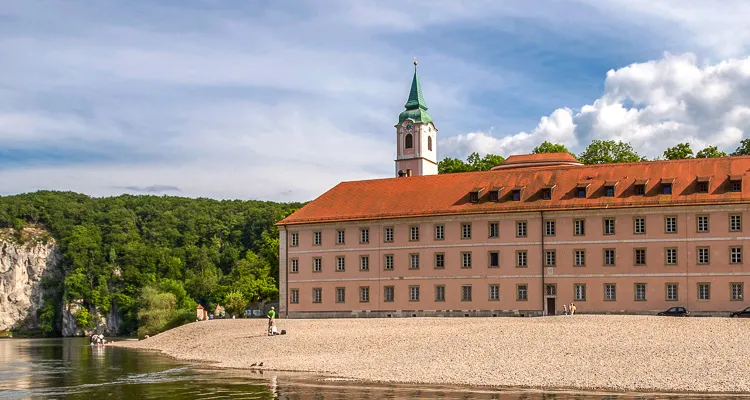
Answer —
154 258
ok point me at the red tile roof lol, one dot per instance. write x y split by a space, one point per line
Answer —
539 159
449 194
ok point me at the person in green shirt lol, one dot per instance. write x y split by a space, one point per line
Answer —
271 317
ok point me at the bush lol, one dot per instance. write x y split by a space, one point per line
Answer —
156 311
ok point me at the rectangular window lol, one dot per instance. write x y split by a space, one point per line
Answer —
670 256
413 293
609 257
735 186
550 258
735 223
340 263
317 295
364 263
294 296
702 187
609 226
610 292
704 291
494 195
666 188
639 225
609 191
581 192
388 234
295 239
465 231
640 257
439 292
704 255
579 227
413 261
579 258
388 294
439 232
640 292
340 236
672 294
364 235
522 292
549 228
670 224
737 291
388 262
516 195
340 295
466 259
494 292
521 258
550 289
735 255
364 294
294 265
640 190
494 259
439 260
579 292
702 223
413 233
474 197
317 264
317 238
466 293
493 229
520 228
546 194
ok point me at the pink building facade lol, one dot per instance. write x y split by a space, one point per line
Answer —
536 232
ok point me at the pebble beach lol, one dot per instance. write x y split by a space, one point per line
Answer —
584 352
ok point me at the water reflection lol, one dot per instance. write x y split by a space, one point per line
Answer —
71 369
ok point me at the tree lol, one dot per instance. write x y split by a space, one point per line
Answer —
743 149
609 151
235 303
710 152
473 163
157 309
452 165
547 147
679 152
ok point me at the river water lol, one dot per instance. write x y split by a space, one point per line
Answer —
71 369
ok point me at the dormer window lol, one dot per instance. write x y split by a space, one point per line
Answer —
581 189
666 185
609 188
547 192
735 183
640 187
517 193
475 194
703 182
495 194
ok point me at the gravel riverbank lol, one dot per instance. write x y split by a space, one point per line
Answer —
628 353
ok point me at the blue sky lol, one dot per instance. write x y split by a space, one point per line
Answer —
282 100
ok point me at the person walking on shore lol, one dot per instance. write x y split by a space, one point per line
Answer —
572 308
565 309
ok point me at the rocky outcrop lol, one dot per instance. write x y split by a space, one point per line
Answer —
23 266
106 323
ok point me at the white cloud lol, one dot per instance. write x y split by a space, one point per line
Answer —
652 105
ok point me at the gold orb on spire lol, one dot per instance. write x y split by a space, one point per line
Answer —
415 61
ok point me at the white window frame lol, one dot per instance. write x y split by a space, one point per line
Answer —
294 296
414 261
521 229
440 232
317 295
364 294
364 235
610 292
640 291
735 223
340 263
466 293
294 241
388 234
388 262
466 260
466 231
493 292
364 263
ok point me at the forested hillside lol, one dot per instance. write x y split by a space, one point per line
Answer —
152 257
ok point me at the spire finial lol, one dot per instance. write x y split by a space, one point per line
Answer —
415 62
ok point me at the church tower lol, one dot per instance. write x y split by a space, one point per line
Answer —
416 136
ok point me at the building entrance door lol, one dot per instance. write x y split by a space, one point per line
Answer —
550 306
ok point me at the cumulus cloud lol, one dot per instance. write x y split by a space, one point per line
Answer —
653 105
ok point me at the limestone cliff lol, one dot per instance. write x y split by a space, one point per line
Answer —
23 266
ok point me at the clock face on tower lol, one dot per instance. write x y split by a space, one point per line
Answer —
409 127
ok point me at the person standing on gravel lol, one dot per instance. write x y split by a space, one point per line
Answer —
271 317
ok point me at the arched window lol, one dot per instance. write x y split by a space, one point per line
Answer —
408 142
429 143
